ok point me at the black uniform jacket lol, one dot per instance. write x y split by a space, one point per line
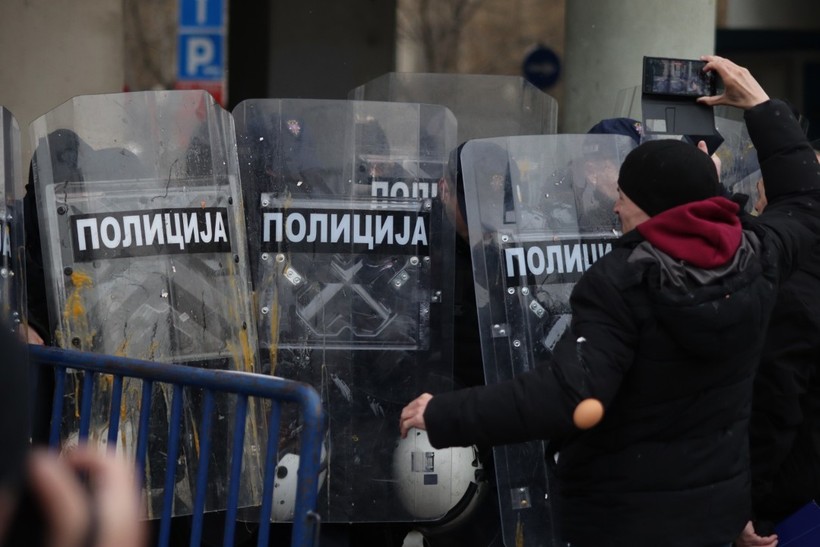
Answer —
785 425
670 350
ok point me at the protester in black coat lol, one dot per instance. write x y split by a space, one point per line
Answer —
668 336
785 424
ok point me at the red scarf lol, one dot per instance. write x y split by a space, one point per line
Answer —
706 233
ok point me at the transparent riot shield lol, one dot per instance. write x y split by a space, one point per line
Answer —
739 169
349 248
484 105
143 236
543 214
628 103
12 244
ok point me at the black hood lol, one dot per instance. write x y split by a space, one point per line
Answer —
704 310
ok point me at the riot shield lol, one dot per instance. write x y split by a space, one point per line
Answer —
628 103
143 237
12 244
484 105
739 169
540 210
349 250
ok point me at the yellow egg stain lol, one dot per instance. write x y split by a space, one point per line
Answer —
196 440
256 412
105 384
74 304
151 352
122 429
247 360
247 352
75 321
74 316
242 354
273 349
239 353
519 533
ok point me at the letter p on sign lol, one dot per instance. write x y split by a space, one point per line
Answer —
200 57
201 52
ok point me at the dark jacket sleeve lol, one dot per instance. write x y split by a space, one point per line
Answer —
791 176
784 433
539 403
787 161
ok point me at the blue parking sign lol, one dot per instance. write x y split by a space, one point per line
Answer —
201 13
200 57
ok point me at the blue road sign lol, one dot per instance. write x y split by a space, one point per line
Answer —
201 57
201 13
542 67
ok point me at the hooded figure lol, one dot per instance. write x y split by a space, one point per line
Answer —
669 330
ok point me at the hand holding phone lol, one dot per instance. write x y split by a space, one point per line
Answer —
740 87
677 78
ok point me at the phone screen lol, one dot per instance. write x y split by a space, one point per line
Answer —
678 77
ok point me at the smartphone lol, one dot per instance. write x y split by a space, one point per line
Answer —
677 77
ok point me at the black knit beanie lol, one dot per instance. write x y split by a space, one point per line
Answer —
662 174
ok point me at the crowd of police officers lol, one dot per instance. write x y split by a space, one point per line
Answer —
326 242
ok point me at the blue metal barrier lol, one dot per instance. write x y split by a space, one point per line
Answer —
244 385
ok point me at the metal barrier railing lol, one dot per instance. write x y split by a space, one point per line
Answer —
244 385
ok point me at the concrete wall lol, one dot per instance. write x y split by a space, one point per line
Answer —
606 42
53 50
